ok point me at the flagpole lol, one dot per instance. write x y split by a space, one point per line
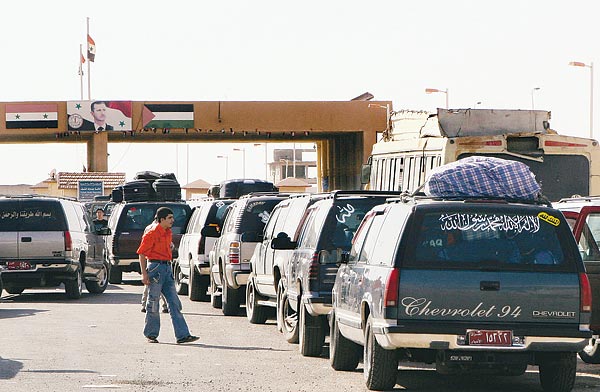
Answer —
81 70
88 63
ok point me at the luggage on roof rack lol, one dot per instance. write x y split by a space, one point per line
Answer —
167 189
139 190
233 189
484 177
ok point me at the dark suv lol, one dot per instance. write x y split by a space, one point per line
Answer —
127 223
326 231
467 284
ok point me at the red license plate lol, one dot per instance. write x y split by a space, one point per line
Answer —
490 338
18 265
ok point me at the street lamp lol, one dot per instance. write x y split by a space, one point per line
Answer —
243 150
435 90
532 101
591 67
266 162
226 157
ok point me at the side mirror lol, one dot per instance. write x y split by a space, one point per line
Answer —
282 242
251 236
210 231
104 231
365 173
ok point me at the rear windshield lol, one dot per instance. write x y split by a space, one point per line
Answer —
31 215
255 215
343 220
137 217
473 239
217 212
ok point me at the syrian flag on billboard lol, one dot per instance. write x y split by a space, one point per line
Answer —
91 54
168 116
27 115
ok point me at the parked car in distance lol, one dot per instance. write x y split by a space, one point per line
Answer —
127 224
583 215
326 231
467 284
191 269
47 241
267 264
230 256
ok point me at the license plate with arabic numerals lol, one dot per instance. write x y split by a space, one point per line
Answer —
18 265
490 338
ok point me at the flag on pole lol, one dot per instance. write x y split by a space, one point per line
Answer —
91 54
82 59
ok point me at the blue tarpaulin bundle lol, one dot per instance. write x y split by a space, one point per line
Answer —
483 177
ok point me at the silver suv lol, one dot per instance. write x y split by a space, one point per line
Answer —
230 257
46 241
192 267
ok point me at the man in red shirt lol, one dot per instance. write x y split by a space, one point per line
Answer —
155 262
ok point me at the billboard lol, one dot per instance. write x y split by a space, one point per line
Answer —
99 116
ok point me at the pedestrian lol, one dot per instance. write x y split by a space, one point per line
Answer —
155 258
100 222
165 308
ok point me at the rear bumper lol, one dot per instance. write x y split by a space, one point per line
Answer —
237 275
50 273
316 303
126 265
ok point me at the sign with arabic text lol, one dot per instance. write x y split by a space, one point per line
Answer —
87 189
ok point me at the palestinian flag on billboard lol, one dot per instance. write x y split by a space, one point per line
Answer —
168 115
31 115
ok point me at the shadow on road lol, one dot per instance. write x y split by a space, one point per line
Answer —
234 348
108 297
9 368
13 313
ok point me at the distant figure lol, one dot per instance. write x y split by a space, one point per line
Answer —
155 261
100 222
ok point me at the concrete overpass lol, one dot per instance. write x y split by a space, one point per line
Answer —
344 131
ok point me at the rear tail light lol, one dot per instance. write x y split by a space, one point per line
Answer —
313 269
68 241
234 252
586 292
390 297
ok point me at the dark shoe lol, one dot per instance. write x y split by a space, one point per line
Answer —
152 339
143 310
165 310
188 339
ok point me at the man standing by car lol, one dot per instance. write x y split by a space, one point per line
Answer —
100 222
155 257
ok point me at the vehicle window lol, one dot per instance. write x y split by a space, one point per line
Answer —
490 239
72 217
389 235
294 215
270 227
32 215
343 220
589 242
308 235
137 217
181 214
218 213
360 236
371 240
256 214
193 226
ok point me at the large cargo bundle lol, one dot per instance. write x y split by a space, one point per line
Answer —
483 177
139 190
233 189
167 189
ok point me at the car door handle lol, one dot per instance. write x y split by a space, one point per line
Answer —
489 286
25 239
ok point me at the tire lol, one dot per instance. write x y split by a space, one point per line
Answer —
98 287
115 275
216 300
14 290
380 365
289 319
74 288
311 333
557 373
591 352
181 288
344 354
198 286
255 313
230 301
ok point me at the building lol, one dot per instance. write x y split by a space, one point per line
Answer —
195 189
67 183
304 166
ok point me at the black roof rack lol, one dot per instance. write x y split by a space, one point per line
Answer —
337 194
405 198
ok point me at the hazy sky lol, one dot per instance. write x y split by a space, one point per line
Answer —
495 53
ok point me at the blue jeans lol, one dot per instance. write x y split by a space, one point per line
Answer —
161 280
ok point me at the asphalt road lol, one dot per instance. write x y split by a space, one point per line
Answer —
49 343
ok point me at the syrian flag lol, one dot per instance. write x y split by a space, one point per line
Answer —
168 116
31 116
91 49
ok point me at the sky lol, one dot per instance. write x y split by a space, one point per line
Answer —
486 54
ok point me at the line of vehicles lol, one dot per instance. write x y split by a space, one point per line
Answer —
470 284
